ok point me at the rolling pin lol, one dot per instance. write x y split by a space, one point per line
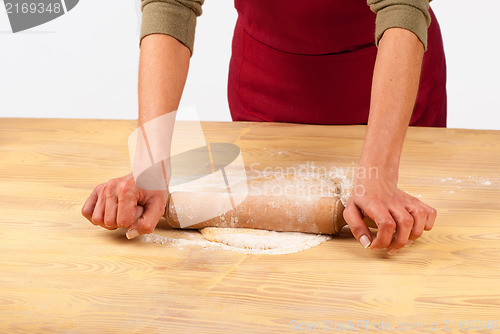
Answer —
322 215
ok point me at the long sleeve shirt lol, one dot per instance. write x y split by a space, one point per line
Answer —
177 18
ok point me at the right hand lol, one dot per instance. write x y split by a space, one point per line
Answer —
400 217
119 203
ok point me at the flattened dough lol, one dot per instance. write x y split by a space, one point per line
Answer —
253 239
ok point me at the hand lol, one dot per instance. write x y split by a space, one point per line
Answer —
400 218
120 203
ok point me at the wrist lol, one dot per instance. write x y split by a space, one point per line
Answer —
375 169
381 154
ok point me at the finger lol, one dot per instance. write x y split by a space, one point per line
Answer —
90 203
386 227
88 207
354 219
419 215
126 213
110 212
139 210
404 225
147 222
98 214
431 217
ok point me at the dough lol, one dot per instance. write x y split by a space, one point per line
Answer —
255 240
242 240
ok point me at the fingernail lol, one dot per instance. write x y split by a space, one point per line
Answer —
391 251
132 234
365 241
409 242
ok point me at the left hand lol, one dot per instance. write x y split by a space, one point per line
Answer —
400 218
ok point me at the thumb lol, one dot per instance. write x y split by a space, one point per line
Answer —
354 219
147 218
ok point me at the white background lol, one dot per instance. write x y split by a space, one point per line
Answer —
84 64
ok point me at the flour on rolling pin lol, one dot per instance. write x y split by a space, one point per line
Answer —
307 185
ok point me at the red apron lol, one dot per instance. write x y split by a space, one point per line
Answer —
312 62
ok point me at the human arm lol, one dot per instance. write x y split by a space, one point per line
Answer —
163 67
394 90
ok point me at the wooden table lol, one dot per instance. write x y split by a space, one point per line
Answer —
61 274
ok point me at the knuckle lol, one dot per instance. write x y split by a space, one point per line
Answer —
108 220
355 229
113 182
372 205
429 225
108 194
107 191
384 243
416 234
93 222
387 223
104 189
375 205
433 212
398 244
122 223
122 189
149 229
420 211
406 221
109 186
97 220
347 213
99 187
86 212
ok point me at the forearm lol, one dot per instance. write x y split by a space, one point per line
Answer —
163 69
394 90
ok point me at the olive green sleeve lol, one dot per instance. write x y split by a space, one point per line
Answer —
412 15
176 18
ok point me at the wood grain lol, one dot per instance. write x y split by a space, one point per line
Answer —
61 274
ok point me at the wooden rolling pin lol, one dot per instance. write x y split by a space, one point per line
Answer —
276 213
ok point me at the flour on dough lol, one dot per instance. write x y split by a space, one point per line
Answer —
254 240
